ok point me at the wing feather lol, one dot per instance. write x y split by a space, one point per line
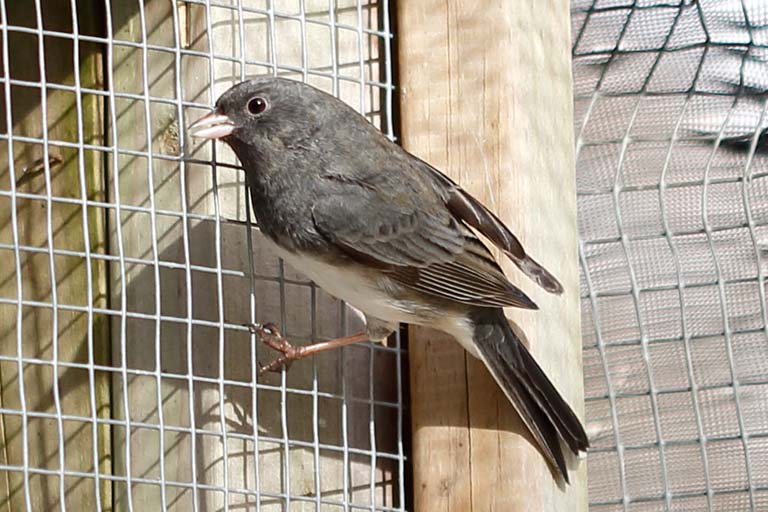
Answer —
425 249
470 211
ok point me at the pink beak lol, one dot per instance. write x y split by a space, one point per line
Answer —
212 126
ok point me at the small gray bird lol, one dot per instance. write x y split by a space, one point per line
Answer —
383 230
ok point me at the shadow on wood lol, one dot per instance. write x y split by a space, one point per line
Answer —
44 335
281 469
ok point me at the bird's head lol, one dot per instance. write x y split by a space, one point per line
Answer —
267 108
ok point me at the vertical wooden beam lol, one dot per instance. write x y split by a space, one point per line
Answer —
71 281
149 345
486 96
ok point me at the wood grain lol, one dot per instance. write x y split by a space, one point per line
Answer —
71 281
486 96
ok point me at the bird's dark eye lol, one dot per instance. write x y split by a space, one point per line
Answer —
257 105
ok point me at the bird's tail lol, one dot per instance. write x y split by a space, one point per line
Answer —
542 409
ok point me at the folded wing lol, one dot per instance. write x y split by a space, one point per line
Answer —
470 211
411 235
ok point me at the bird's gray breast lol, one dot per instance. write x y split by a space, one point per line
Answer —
282 203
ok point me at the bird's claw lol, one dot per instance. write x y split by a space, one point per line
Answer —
271 337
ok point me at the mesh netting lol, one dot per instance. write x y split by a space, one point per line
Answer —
670 102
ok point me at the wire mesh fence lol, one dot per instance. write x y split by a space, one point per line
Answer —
130 268
670 102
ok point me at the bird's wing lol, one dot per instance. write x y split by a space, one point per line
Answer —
465 207
407 232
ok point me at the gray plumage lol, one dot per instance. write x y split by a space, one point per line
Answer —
337 197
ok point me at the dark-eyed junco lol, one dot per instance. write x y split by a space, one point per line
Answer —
379 228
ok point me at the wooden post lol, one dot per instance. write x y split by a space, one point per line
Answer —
70 172
133 286
486 96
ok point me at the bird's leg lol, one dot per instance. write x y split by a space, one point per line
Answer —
271 337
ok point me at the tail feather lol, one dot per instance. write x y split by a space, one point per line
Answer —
543 410
537 273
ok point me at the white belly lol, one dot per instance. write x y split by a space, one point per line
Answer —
363 291
349 284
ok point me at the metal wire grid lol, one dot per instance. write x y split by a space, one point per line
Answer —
673 212
184 425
